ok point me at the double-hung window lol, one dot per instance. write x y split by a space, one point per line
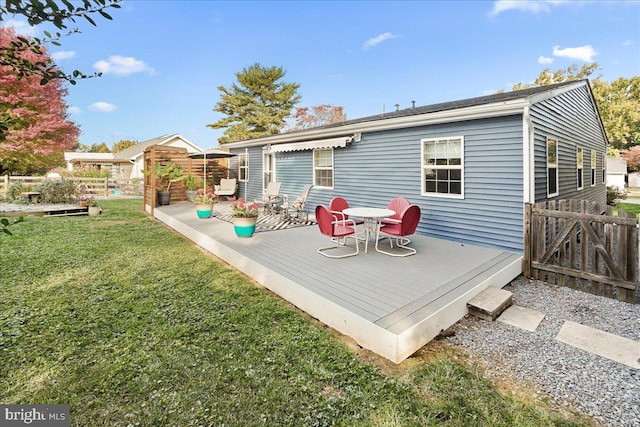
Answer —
579 167
552 167
243 167
323 167
443 167
593 168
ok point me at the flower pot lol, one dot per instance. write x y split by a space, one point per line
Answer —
244 227
163 197
204 211
191 195
94 210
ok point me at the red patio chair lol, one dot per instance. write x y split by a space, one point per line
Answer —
331 226
337 205
406 227
398 205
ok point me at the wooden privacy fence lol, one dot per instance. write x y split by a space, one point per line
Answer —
577 244
162 154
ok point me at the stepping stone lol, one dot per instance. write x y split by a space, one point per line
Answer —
521 317
489 303
604 344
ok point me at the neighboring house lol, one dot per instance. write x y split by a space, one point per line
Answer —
470 165
616 172
128 163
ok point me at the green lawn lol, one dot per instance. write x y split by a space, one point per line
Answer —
131 325
630 207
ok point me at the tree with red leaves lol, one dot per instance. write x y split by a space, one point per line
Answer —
319 115
632 156
34 127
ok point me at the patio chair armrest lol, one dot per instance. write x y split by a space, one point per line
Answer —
349 222
338 213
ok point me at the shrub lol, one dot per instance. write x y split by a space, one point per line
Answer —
613 194
15 190
83 172
58 191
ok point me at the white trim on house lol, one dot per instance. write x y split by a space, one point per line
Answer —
311 145
594 164
496 109
331 168
244 167
443 167
528 169
556 166
579 167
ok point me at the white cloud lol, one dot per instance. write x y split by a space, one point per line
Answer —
73 110
533 6
20 27
122 66
102 107
377 40
582 53
544 60
63 54
628 43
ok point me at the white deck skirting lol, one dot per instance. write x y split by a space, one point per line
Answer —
391 306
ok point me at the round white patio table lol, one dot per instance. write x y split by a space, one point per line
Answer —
371 218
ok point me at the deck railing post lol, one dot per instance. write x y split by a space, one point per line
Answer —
527 240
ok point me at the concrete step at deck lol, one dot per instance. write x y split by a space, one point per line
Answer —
490 303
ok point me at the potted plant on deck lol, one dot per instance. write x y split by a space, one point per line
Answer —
192 183
204 205
167 173
94 209
244 217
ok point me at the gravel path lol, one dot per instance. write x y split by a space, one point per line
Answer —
572 378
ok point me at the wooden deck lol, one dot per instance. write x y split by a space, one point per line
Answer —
392 306
41 209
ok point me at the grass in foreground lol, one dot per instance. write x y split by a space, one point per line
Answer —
130 324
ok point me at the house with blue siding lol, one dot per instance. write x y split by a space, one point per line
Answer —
471 165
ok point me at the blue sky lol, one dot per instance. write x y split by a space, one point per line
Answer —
164 60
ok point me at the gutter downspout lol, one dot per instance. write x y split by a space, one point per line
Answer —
528 160
246 152
528 182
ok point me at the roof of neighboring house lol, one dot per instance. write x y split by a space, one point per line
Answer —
616 165
138 149
71 156
482 106
129 153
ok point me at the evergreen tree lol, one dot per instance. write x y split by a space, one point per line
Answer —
256 105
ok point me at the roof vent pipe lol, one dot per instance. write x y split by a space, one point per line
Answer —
397 107
413 104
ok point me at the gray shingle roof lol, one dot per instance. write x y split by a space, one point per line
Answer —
452 105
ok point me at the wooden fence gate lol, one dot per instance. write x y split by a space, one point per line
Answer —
573 243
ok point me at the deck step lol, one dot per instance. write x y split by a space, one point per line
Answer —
490 303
